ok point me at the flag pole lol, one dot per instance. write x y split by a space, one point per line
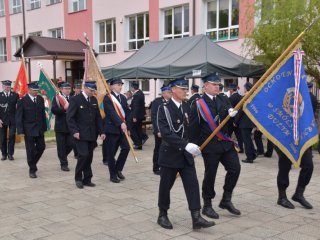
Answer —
108 93
289 49
45 73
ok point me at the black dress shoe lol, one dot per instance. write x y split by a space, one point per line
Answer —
32 175
137 147
247 161
267 155
284 202
114 180
4 157
210 212
198 221
89 184
10 157
164 222
120 176
156 172
65 168
105 163
229 206
79 184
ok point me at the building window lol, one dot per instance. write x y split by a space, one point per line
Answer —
107 36
176 22
77 5
138 31
223 20
50 2
144 85
1 8
35 34
16 44
56 33
15 6
3 50
34 4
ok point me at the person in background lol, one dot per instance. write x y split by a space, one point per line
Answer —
31 121
195 94
8 105
166 96
64 139
137 116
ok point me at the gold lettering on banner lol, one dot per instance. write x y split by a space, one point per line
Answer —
276 78
254 108
279 125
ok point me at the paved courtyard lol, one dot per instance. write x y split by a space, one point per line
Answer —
51 207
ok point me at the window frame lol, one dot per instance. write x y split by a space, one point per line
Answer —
3 55
16 43
183 33
127 84
113 42
229 29
14 9
52 2
2 10
35 34
34 4
72 8
136 39
51 31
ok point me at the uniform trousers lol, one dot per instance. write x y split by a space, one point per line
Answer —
230 161
285 166
35 147
248 144
257 135
113 142
65 144
157 143
7 147
237 132
83 170
190 183
137 133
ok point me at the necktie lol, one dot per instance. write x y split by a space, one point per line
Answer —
119 98
67 98
88 99
34 100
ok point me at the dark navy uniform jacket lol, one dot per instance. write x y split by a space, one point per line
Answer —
200 130
31 117
84 117
8 108
112 120
61 117
174 135
138 105
154 112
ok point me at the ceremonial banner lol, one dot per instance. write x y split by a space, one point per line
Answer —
92 73
271 108
48 92
20 86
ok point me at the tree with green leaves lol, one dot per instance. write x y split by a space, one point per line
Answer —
278 23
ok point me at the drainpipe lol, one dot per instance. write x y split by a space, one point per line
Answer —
24 21
194 18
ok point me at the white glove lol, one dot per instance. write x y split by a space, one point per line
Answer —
232 112
193 149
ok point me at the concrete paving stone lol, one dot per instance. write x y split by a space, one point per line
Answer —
119 233
262 216
279 226
239 236
206 234
108 214
261 232
309 230
35 223
30 234
137 217
64 236
59 227
295 219
60 217
293 235
7 230
100 236
177 230
125 201
152 235
183 237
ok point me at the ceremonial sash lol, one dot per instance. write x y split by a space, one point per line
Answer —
118 107
207 116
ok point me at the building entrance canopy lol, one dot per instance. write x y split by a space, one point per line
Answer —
189 57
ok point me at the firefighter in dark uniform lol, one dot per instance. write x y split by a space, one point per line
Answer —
218 150
246 126
64 139
234 99
114 127
166 95
85 124
195 94
31 121
8 105
175 156
305 174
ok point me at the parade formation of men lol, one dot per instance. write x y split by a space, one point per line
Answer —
179 128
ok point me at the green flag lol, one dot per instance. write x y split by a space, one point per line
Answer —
48 92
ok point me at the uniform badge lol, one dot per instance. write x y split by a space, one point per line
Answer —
178 121
81 106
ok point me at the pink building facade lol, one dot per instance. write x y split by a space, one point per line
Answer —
118 28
